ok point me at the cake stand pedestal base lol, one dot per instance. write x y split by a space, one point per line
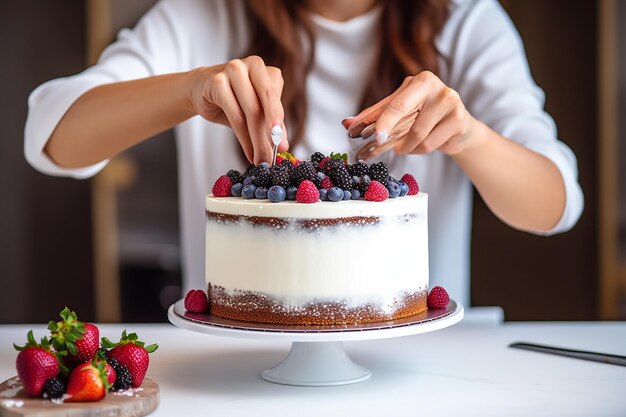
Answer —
316 364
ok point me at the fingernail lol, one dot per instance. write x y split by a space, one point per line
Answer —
277 134
345 121
355 130
381 137
368 131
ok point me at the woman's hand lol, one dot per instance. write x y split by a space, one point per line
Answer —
422 116
245 95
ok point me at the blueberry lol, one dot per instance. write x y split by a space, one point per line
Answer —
347 195
394 189
249 180
261 193
291 192
264 165
356 179
236 188
334 194
248 191
323 193
321 175
276 194
356 194
404 188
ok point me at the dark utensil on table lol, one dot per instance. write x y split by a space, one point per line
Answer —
572 353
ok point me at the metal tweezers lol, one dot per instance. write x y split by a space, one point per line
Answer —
571 353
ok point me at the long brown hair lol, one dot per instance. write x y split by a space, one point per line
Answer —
408 30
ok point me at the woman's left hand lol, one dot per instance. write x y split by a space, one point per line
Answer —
421 116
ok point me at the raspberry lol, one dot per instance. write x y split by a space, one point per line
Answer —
196 301
221 188
326 183
379 172
323 162
438 298
376 192
307 193
409 180
279 160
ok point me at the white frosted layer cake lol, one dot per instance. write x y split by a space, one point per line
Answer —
341 262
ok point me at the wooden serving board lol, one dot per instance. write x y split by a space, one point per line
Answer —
131 403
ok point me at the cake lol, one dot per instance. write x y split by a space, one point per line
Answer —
327 263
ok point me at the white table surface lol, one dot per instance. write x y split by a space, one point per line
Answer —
465 370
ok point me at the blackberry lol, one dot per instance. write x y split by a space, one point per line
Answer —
359 169
363 184
54 388
379 172
340 177
317 157
333 164
234 175
304 171
279 175
249 171
123 379
262 174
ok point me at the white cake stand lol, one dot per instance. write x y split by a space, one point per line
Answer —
317 357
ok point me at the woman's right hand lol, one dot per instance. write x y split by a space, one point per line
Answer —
245 95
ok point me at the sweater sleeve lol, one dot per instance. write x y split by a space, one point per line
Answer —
151 48
490 71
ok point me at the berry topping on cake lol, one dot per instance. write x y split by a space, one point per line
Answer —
323 194
221 188
393 188
359 169
409 180
234 175
196 301
438 298
334 194
291 192
280 175
262 175
54 388
261 193
376 192
307 192
304 171
235 190
317 157
248 191
326 183
356 194
362 184
379 172
340 176
404 188
276 194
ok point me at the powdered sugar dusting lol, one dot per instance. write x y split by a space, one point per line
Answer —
131 392
60 400
13 403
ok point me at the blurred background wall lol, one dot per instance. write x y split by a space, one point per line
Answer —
108 247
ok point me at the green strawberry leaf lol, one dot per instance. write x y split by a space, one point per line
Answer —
151 348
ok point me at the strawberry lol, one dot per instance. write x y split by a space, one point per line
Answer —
196 301
88 382
409 179
80 340
376 192
35 365
221 188
438 298
131 352
307 192
110 373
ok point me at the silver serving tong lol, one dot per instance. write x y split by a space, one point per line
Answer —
277 135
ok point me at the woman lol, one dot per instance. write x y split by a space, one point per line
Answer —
448 82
